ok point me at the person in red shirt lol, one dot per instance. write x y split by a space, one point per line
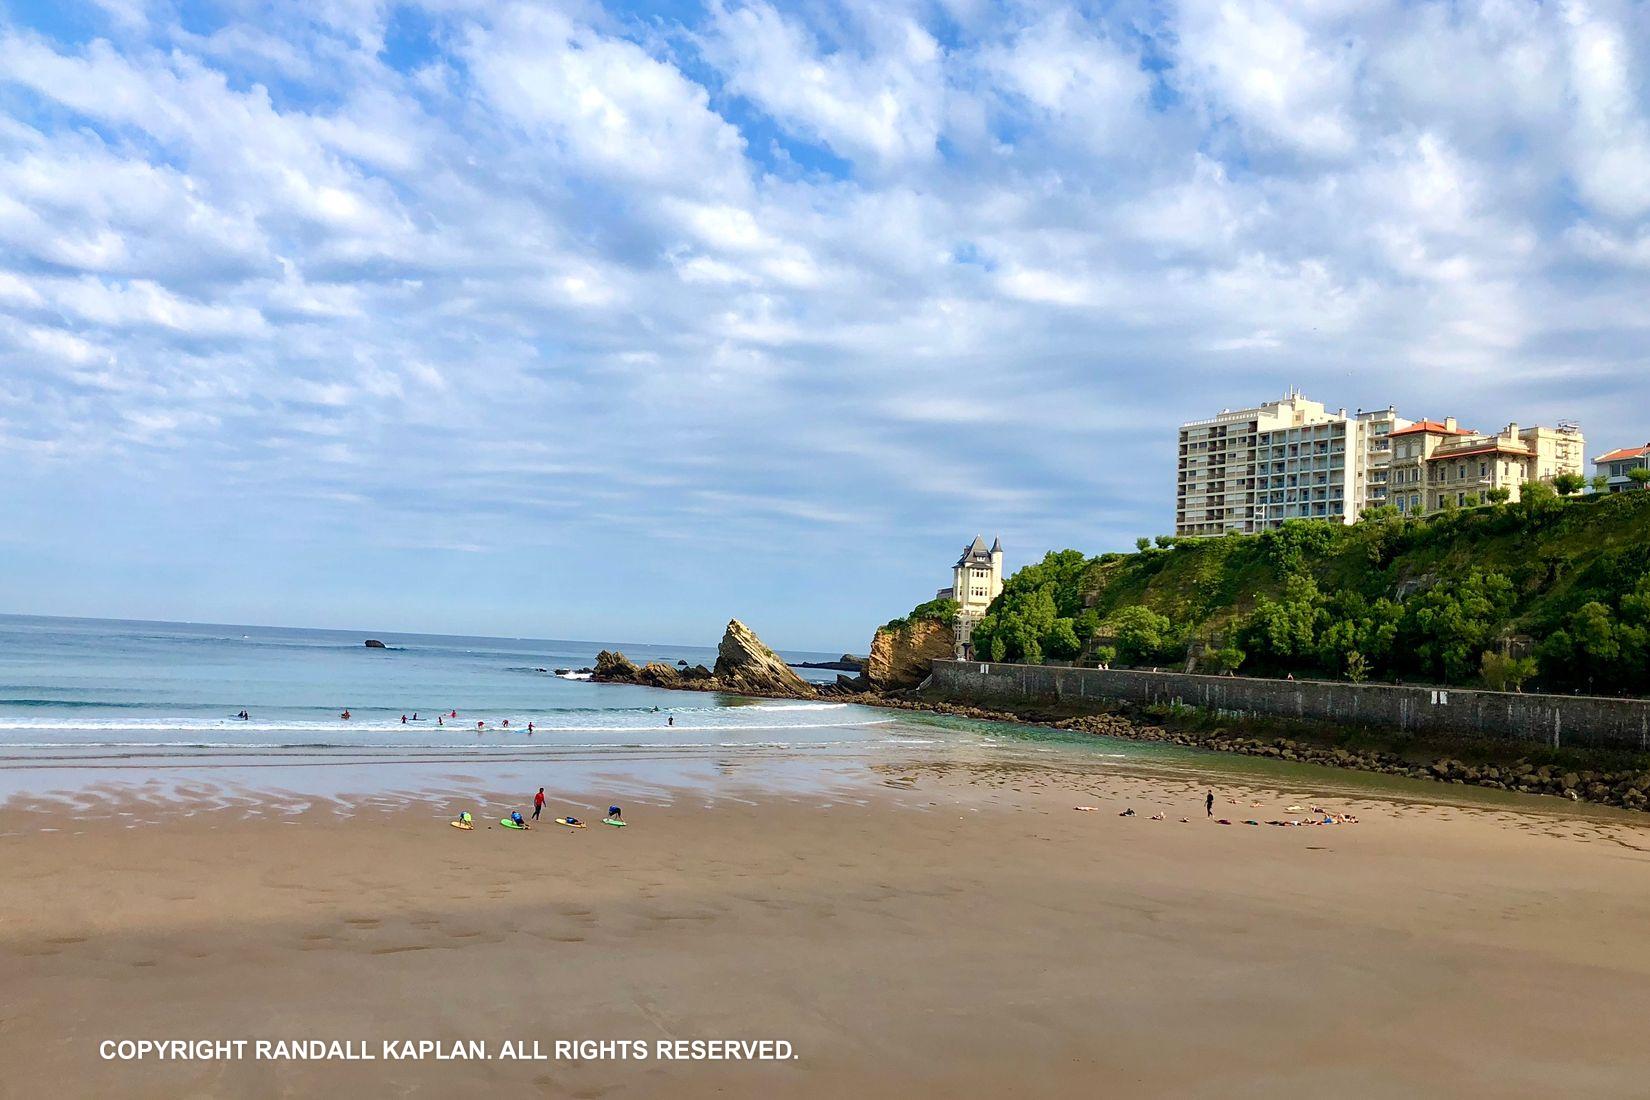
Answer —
538 803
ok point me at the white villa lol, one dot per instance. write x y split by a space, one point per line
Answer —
976 580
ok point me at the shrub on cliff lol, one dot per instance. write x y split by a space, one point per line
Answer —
942 609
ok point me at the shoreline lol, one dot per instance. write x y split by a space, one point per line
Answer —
954 928
1565 773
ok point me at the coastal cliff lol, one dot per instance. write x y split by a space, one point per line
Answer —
902 655
744 666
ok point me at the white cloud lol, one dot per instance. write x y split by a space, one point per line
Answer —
880 104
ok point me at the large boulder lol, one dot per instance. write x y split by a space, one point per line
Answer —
902 657
744 664
614 668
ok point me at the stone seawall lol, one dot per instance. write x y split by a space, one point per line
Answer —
1558 721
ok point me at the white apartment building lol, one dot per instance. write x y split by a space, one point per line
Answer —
1250 469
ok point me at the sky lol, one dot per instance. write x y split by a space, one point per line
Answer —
613 321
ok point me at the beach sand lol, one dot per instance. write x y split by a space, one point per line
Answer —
967 932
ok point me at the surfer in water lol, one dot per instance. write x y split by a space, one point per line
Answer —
529 727
670 721
345 716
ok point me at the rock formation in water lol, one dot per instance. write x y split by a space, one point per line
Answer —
614 668
902 657
374 643
744 665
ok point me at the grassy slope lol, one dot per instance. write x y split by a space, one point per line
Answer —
1590 548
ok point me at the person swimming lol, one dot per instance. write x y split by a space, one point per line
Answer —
403 719
345 716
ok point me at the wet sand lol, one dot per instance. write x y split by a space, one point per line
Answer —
954 932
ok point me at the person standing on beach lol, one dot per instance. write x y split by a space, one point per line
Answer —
1209 804
538 803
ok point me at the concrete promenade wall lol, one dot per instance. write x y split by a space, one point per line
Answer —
1555 720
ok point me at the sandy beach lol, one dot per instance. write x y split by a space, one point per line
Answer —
965 932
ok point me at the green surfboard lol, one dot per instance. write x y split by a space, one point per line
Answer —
508 824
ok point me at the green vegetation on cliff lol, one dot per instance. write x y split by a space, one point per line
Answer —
940 610
1548 592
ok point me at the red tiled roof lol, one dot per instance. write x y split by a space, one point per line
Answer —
1625 452
1428 426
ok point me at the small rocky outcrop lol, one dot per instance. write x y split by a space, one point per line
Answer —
902 657
744 664
658 674
374 643
613 667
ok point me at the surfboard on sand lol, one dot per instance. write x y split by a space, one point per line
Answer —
569 823
614 821
461 824
508 824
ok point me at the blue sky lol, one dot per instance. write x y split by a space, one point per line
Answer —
608 321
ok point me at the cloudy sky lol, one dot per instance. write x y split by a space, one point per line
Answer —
611 322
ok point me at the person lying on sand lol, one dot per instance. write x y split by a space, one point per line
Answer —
1127 813
521 822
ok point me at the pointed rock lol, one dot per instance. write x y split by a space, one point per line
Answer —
745 664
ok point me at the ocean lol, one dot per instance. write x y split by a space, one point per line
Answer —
105 709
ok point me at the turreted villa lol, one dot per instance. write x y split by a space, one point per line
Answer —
976 580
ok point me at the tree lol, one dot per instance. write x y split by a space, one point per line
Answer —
1164 542
1142 544
1567 483
1226 659
1447 628
1105 654
1499 495
1142 634
1285 630
1060 641
1357 668
1639 476
1601 483
1503 673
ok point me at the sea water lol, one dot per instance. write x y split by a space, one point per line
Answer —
128 707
